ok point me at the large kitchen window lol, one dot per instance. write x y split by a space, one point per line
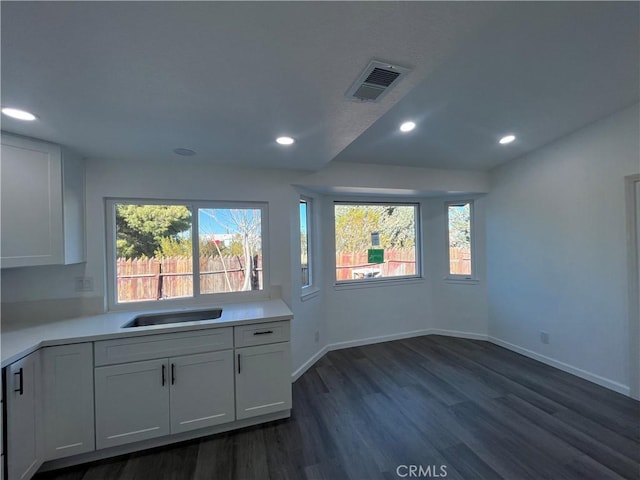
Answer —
376 241
184 251
460 240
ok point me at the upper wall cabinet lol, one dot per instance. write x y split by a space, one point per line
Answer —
42 195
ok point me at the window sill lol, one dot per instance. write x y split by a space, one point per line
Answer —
347 285
308 294
462 281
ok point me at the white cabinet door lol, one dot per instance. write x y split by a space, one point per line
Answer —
201 390
263 379
132 402
67 395
23 417
42 199
32 223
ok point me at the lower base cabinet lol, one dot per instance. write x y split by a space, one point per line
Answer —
201 393
143 387
143 400
67 400
131 402
24 447
261 387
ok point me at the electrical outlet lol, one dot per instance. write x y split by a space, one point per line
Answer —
84 284
316 337
544 337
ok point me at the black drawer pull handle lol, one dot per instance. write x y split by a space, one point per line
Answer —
238 363
266 332
20 389
173 374
163 375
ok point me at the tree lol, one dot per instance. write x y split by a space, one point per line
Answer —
245 225
460 227
141 228
356 223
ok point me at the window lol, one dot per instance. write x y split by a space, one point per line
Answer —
376 241
184 250
459 228
305 242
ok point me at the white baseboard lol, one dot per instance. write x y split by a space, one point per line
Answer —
458 334
372 340
309 363
592 377
578 372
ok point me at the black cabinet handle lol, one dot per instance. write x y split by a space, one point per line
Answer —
20 389
173 374
266 332
238 363
163 375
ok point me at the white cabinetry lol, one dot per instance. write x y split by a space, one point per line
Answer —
24 455
148 399
201 390
131 402
263 379
42 197
67 400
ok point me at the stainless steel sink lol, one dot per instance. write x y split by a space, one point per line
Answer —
173 317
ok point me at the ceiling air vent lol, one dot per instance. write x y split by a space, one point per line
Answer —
375 81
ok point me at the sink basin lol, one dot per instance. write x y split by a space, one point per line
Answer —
173 317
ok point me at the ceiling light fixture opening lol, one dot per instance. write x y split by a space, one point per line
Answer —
19 114
285 140
507 139
407 126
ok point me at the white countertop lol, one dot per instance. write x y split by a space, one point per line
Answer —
18 340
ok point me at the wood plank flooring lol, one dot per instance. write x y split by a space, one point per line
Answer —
372 412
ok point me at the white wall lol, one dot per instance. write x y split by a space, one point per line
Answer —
383 311
460 307
556 250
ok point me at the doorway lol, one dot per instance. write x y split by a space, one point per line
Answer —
632 191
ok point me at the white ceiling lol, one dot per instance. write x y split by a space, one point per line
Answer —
134 80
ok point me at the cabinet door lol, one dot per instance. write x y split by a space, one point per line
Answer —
132 402
67 400
23 417
31 196
263 379
201 390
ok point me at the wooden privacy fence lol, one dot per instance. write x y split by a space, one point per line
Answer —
460 261
397 262
170 277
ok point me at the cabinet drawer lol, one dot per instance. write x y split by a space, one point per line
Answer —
261 334
148 347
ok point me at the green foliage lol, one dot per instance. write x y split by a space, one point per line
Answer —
460 226
356 223
174 247
141 228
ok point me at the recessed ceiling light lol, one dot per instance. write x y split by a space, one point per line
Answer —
285 140
185 152
507 139
19 114
407 126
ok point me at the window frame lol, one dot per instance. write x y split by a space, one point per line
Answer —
453 277
307 289
372 282
197 298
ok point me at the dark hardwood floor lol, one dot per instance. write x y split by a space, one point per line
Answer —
473 408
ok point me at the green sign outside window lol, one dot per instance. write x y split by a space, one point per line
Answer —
376 255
